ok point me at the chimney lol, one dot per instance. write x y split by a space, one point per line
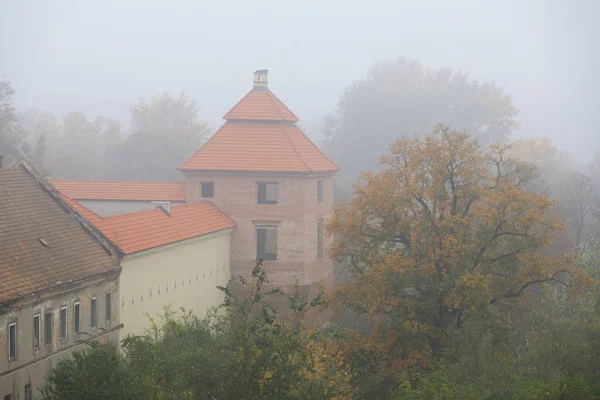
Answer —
260 79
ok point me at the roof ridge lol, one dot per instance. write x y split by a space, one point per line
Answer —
294 147
236 104
318 149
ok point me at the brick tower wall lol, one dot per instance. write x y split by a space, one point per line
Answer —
295 215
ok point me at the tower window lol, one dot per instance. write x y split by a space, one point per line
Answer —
320 238
207 189
267 192
266 243
319 191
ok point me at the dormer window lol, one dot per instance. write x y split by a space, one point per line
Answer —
267 192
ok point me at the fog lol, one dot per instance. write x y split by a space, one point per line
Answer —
100 57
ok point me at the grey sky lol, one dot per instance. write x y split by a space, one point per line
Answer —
101 56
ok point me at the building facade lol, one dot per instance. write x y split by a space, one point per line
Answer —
59 282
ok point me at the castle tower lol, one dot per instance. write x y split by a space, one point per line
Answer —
265 174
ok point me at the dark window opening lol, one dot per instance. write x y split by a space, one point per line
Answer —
28 392
12 341
8 397
267 192
36 331
319 191
48 328
77 317
94 312
266 243
320 238
207 189
108 306
63 323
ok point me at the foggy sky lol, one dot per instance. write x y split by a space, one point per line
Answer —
101 56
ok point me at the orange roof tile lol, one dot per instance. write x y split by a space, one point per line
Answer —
259 147
260 105
121 190
146 229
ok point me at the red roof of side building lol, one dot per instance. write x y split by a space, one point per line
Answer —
147 229
260 105
121 190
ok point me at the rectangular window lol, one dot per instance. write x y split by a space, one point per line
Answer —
8 397
37 331
108 306
48 328
63 322
266 243
77 317
207 189
267 192
94 312
319 191
320 238
28 393
12 341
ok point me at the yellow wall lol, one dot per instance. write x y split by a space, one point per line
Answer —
184 274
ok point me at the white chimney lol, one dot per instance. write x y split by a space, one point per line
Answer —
261 79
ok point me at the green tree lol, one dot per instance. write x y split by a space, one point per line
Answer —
168 131
11 135
99 372
403 96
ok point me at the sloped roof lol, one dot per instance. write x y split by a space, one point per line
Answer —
259 147
147 229
29 216
260 105
121 190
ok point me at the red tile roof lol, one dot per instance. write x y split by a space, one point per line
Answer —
146 229
259 147
121 190
30 213
260 105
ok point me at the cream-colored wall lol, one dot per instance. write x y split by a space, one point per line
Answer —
184 274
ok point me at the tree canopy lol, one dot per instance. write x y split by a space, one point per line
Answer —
447 231
403 96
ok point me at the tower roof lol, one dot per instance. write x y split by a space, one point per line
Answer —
260 135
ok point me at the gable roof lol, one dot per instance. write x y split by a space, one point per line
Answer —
121 190
41 245
259 147
260 105
143 230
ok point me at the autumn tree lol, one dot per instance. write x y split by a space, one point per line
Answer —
445 233
404 96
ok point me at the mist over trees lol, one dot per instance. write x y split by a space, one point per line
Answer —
402 97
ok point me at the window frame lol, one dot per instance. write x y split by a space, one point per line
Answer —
202 183
256 249
108 306
39 331
77 317
28 392
320 191
258 192
320 238
94 311
12 356
63 323
48 327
